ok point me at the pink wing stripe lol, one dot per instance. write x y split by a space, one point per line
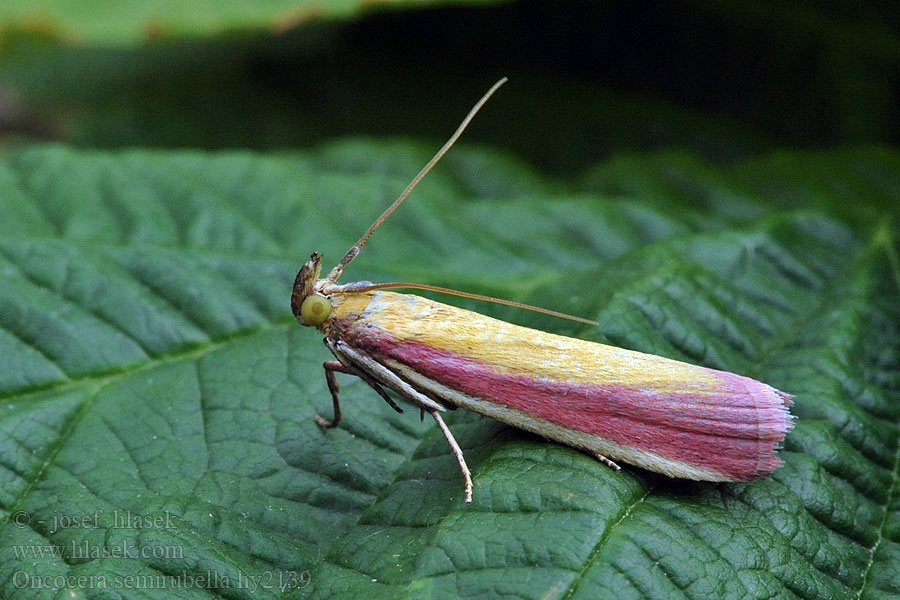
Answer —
733 429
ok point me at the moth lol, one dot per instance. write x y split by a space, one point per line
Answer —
656 413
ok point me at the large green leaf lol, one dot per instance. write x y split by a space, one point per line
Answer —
157 435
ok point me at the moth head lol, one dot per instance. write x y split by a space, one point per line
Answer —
310 307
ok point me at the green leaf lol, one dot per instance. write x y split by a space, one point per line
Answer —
156 432
114 22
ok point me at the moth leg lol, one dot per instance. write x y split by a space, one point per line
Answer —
331 367
359 362
458 453
374 385
368 369
606 461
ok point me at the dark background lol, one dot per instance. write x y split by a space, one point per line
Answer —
725 79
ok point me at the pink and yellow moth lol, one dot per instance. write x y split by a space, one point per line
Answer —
660 414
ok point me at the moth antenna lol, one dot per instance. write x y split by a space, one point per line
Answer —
354 250
470 295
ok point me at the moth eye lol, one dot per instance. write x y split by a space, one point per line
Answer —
315 310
